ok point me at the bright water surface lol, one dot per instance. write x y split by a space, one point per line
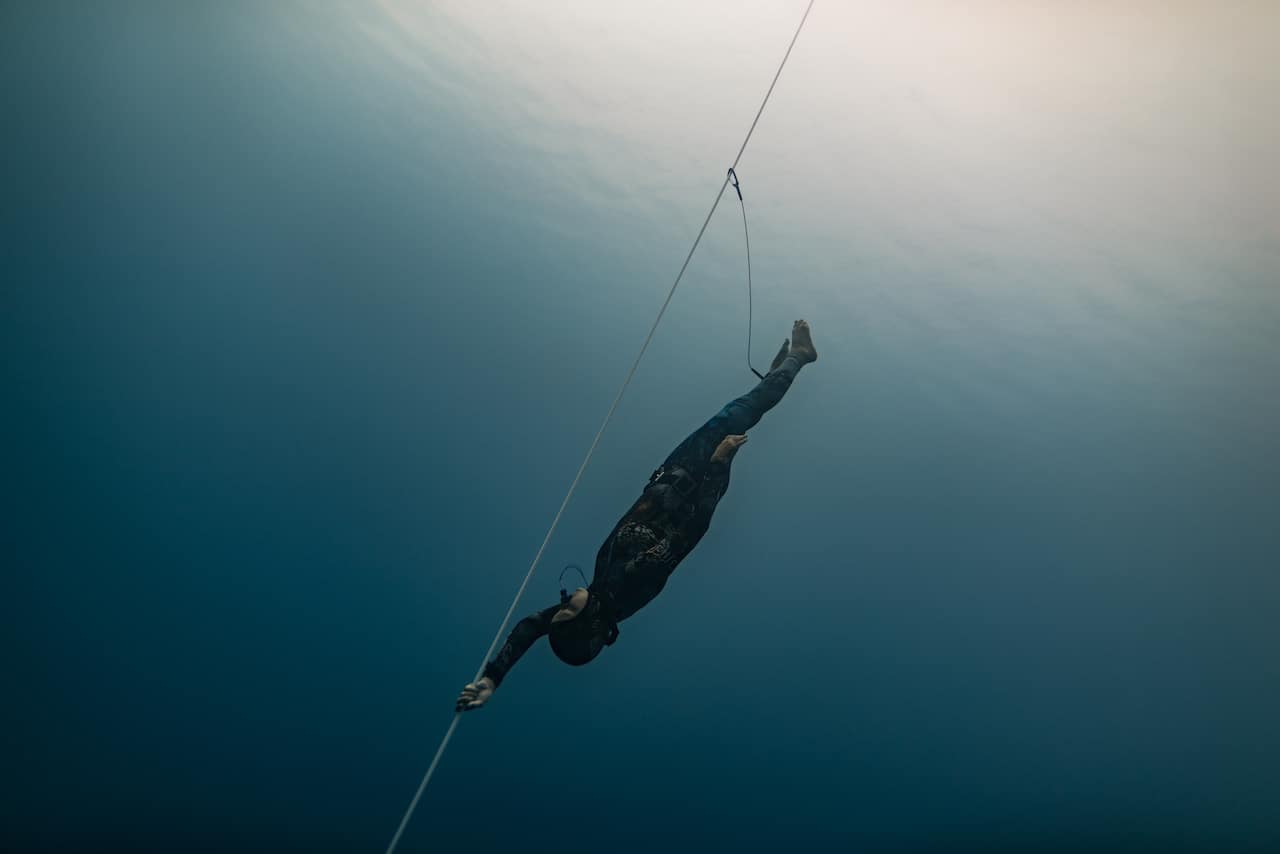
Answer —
311 311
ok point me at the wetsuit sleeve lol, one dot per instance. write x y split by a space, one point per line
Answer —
714 485
523 636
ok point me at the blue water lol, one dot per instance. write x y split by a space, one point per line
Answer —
311 311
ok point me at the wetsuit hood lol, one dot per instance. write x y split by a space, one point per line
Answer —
580 640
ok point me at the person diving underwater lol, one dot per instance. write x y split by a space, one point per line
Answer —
656 533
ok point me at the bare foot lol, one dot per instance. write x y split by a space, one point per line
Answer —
782 354
802 344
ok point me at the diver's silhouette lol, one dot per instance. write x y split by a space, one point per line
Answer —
660 529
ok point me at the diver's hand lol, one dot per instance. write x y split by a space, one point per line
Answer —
475 695
724 453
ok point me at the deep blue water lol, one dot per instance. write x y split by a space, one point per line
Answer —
310 312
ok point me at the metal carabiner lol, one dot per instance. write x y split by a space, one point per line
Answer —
733 176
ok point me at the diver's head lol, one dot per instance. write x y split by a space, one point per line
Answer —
578 632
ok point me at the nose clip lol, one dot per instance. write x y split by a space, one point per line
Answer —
564 592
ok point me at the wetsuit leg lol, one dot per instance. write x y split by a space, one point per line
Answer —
738 416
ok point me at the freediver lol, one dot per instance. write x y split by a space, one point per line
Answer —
650 540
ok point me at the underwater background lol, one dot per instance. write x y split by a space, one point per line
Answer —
311 311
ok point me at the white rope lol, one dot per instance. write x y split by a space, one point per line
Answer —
395 840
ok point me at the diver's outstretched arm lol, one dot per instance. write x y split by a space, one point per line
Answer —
523 636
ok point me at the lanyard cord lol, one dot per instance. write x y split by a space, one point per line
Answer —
733 177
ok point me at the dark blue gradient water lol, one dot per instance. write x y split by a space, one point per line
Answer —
310 312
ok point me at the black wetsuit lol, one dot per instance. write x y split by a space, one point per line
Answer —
648 542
